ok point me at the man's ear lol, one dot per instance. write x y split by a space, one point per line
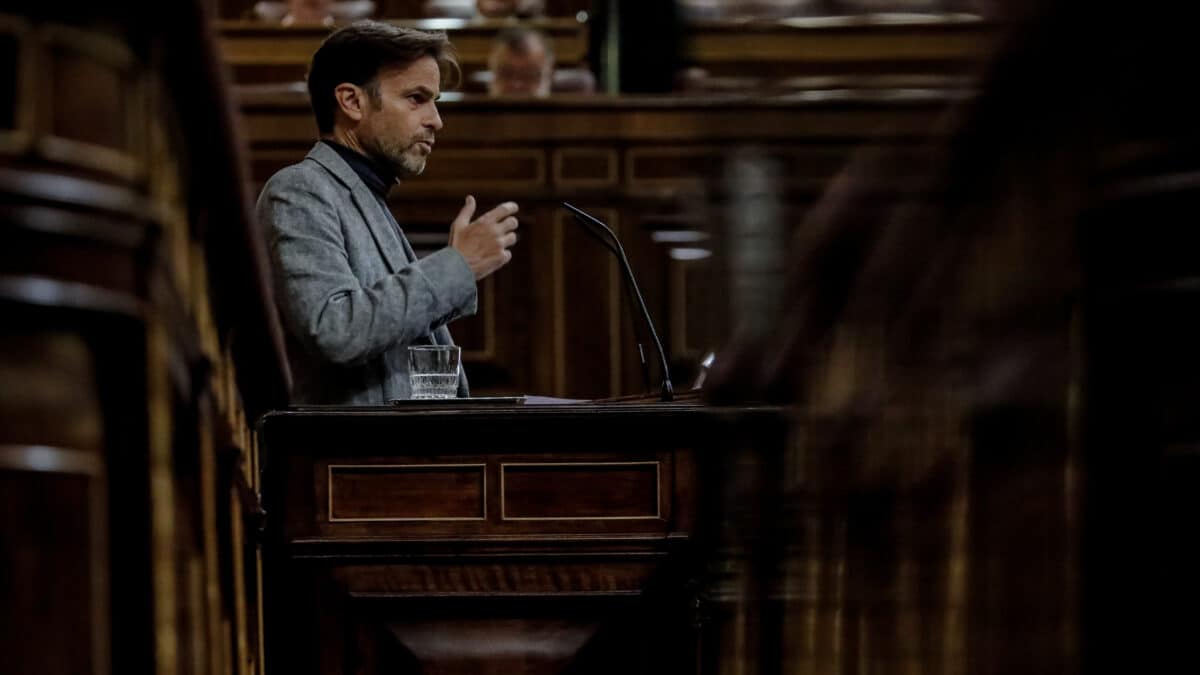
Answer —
351 100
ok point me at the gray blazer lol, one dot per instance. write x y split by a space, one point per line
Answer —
351 293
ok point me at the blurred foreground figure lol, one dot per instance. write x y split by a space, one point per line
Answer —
522 64
993 368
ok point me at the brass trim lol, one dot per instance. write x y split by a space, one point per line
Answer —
657 490
329 492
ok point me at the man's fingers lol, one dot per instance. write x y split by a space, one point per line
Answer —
508 224
465 213
501 212
508 239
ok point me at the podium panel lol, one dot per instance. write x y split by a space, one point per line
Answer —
458 539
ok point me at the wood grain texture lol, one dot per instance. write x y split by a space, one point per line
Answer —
125 453
593 570
580 490
260 52
401 492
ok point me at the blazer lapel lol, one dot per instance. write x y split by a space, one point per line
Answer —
396 252
391 245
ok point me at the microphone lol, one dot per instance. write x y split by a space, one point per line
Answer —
608 239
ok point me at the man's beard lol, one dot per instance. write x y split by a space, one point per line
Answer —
402 159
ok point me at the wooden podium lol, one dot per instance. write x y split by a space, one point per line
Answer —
462 539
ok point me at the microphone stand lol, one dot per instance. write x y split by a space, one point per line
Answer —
608 238
598 235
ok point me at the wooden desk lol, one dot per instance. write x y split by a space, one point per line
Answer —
259 52
514 539
787 53
841 45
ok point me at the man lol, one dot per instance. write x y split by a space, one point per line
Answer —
351 293
522 64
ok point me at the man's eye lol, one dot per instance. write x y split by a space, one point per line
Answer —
416 98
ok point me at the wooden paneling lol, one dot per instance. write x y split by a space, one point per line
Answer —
855 45
397 492
586 311
580 490
400 9
561 318
92 102
492 171
55 579
871 51
483 579
488 495
582 168
646 165
125 454
265 53
583 560
693 316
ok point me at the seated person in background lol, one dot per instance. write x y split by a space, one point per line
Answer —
308 12
522 64
521 9
312 12
449 9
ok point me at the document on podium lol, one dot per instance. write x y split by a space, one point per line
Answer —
551 400
487 401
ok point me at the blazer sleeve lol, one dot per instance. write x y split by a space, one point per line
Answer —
322 302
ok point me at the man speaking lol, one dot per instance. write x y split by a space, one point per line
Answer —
351 293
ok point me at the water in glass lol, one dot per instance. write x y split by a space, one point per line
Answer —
434 386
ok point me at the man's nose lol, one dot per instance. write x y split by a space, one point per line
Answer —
434 121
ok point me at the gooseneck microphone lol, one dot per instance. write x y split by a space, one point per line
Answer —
608 239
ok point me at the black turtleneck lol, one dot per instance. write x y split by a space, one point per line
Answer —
376 177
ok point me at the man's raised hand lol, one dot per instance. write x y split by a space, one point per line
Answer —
485 241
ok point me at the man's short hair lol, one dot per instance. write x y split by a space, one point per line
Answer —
356 54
